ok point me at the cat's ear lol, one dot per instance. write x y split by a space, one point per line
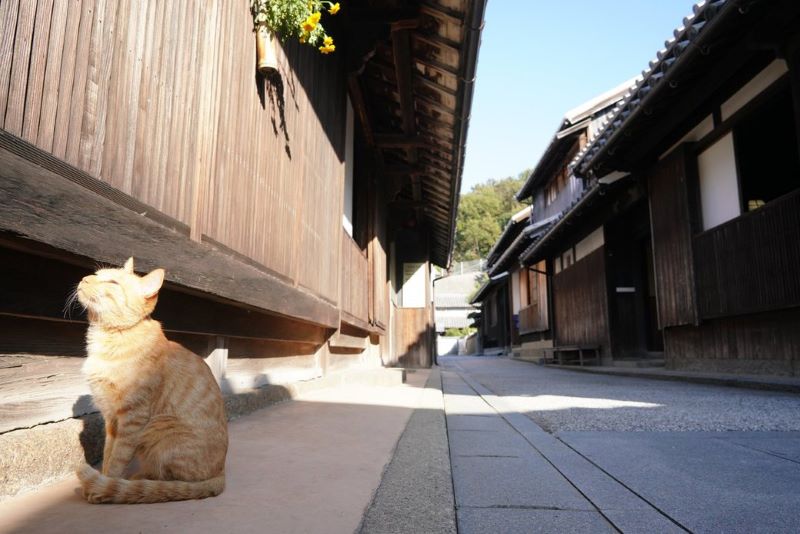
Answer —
151 283
128 265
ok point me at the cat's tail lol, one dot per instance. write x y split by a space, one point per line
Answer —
98 488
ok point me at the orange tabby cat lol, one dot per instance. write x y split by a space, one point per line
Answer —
160 401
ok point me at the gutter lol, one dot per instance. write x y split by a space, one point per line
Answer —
472 42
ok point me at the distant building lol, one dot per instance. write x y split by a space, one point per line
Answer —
452 294
670 215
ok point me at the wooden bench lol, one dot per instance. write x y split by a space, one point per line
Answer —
568 354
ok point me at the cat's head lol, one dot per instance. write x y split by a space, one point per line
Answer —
118 298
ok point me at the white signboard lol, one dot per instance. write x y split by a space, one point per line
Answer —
413 291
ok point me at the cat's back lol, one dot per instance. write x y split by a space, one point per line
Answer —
189 385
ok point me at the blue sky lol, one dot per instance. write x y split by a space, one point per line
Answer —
540 58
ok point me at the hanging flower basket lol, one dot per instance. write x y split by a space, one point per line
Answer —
300 19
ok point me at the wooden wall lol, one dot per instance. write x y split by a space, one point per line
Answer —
379 268
751 263
355 289
671 230
580 302
766 343
415 337
160 100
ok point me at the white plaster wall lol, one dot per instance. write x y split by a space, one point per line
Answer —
719 187
589 244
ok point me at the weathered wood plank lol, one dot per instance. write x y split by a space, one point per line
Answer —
36 70
9 10
42 390
19 67
77 101
671 228
52 77
36 205
580 303
101 58
67 76
750 264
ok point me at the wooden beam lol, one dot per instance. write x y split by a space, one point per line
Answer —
437 65
399 141
360 107
435 86
38 204
344 341
450 16
397 169
177 310
401 51
405 24
435 40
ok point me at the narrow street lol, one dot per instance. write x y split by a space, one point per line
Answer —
537 449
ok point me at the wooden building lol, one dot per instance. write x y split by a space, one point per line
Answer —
543 288
297 216
708 137
676 234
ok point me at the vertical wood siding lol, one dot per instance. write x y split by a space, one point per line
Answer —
764 343
580 302
379 267
160 100
415 337
672 241
354 273
751 264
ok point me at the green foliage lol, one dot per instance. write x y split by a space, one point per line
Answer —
295 18
459 332
483 213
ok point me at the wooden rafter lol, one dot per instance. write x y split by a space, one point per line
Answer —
399 141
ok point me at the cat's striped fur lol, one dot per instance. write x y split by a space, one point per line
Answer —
160 401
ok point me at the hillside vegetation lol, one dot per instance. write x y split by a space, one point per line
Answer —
483 213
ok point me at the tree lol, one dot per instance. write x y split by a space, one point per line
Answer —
483 213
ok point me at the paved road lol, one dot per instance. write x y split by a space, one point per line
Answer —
538 449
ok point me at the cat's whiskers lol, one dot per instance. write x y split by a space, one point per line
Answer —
72 299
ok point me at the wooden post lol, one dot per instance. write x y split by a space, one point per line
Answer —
217 358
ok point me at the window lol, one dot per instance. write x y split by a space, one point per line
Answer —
349 183
557 184
766 152
755 163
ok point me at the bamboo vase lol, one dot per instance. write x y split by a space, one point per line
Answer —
266 59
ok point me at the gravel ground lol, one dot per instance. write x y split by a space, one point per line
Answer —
561 400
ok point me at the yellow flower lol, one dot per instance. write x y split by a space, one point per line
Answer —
303 38
334 9
314 17
328 41
309 26
327 49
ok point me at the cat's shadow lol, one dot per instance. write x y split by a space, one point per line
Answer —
92 435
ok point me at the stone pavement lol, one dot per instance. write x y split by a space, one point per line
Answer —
485 445
309 465
620 453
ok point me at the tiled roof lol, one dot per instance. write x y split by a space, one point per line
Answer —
532 232
449 300
684 38
556 222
